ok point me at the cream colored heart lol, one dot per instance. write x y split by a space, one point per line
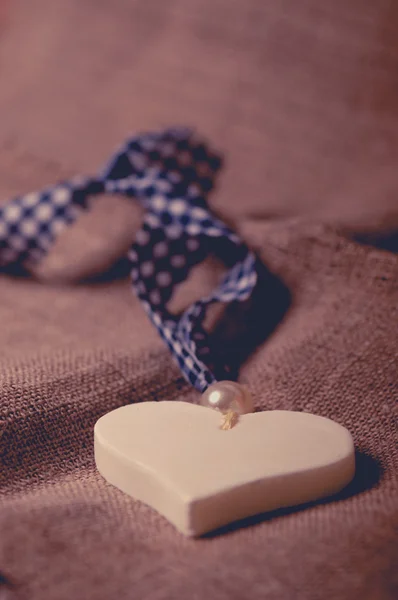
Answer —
174 457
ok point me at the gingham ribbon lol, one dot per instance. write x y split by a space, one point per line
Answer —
170 173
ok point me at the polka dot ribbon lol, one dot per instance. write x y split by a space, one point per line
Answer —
170 173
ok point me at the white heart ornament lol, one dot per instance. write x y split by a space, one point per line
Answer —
174 457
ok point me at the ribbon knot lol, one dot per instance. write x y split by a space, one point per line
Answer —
170 173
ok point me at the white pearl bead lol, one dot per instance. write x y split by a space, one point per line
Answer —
228 396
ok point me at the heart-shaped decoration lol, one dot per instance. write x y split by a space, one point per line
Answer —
174 457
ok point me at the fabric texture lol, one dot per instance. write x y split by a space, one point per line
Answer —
301 97
68 357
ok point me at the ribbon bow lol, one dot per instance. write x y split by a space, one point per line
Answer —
170 173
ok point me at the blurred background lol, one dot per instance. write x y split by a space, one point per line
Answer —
300 96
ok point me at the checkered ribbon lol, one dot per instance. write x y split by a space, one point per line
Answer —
170 173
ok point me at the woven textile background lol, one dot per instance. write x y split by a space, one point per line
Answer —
302 99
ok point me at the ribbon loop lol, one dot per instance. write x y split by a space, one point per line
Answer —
170 173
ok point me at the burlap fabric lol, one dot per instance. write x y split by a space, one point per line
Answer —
301 97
